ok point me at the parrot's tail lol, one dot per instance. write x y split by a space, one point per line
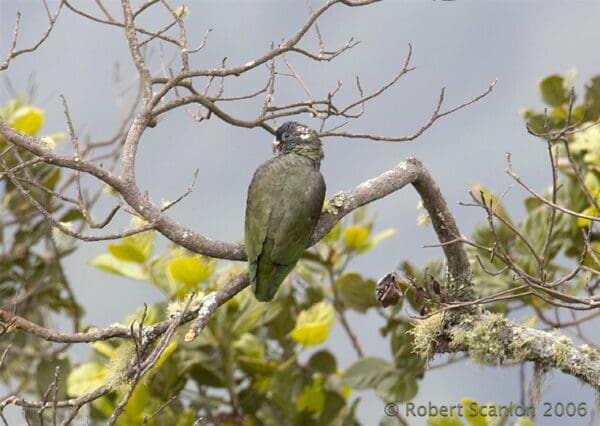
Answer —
266 278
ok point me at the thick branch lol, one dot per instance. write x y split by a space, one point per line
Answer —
491 339
410 171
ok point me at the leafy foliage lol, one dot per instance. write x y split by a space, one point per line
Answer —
254 363
32 282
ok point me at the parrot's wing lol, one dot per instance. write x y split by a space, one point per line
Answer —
302 204
258 214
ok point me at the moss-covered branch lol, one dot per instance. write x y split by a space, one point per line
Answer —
492 339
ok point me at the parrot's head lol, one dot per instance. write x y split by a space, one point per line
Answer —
293 137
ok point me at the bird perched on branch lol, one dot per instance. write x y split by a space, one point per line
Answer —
285 198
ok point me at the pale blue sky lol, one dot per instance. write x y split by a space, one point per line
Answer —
462 45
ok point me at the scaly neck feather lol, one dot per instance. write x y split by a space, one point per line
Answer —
310 149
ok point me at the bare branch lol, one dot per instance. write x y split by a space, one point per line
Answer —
13 52
437 114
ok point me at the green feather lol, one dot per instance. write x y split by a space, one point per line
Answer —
285 199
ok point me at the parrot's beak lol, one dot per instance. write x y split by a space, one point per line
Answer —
276 144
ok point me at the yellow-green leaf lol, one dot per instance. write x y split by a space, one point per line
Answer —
191 270
473 413
141 404
334 234
28 119
587 140
444 421
151 315
312 398
590 211
104 405
524 421
134 248
250 346
110 263
485 195
592 181
592 257
164 356
314 324
105 349
249 318
355 236
374 242
86 378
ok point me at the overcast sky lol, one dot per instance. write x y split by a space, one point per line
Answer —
460 45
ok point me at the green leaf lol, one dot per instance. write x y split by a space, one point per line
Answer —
134 248
249 317
355 292
191 270
323 362
103 405
334 234
592 99
207 372
402 344
71 215
284 386
536 121
254 366
346 416
45 375
366 373
48 175
110 263
314 324
397 386
534 230
86 378
355 236
553 90
336 412
249 345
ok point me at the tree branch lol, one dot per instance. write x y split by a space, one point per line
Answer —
491 339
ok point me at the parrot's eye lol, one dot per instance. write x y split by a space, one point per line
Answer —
285 136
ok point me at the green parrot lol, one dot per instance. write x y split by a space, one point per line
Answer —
285 198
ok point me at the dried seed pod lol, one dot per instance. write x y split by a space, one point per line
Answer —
387 291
